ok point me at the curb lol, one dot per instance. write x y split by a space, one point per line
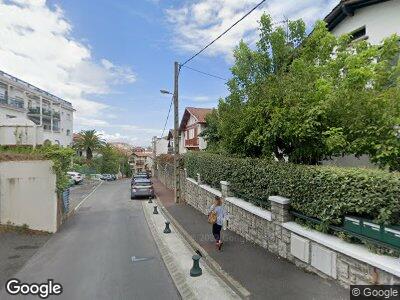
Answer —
232 283
177 276
72 212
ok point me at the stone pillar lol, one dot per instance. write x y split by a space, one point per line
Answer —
279 209
280 238
198 178
225 190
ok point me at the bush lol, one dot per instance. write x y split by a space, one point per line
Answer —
327 193
61 158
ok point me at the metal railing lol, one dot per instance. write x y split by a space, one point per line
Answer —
34 110
342 229
32 87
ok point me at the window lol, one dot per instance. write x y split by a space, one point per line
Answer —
68 132
358 34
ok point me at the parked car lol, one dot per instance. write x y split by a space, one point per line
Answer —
106 177
142 187
138 176
76 177
113 177
144 174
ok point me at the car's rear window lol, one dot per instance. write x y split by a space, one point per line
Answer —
147 183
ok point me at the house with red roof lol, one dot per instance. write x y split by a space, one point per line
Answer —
192 124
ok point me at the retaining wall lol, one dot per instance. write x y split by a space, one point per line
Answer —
323 254
28 194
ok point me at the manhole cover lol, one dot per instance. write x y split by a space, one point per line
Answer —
24 247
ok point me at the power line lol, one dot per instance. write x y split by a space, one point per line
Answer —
166 121
222 34
205 73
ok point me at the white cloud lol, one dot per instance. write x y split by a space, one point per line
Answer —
196 23
37 46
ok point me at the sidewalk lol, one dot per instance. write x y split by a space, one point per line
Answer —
177 256
264 274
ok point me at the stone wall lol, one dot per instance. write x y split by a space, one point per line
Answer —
323 254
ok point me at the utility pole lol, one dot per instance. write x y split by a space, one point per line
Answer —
176 135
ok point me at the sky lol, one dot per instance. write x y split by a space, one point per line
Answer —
110 58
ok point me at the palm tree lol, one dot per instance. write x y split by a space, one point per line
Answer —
89 141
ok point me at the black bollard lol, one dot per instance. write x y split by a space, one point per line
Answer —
196 271
167 229
150 200
155 212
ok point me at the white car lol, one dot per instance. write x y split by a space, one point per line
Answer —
76 177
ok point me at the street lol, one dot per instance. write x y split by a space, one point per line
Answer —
105 251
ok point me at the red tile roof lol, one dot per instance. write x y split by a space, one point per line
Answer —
197 112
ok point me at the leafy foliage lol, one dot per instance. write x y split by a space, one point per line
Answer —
89 141
61 158
309 98
327 193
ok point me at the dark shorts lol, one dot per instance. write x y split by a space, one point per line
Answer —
216 230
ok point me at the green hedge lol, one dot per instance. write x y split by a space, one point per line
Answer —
327 193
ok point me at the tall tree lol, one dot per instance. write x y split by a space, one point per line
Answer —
308 98
89 141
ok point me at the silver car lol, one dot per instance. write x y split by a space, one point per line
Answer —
142 188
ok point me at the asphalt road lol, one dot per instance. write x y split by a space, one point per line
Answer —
92 255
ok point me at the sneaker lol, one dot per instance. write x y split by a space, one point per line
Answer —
220 245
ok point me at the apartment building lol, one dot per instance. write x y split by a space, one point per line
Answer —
51 115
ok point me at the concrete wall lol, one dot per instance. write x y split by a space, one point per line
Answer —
7 112
323 254
21 135
28 194
381 20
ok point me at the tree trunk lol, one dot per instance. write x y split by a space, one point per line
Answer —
89 154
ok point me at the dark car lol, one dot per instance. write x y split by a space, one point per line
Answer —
145 173
142 187
138 176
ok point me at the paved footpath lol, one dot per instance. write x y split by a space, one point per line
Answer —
264 274
106 251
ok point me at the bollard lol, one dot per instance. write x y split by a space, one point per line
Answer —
167 229
155 212
196 270
150 200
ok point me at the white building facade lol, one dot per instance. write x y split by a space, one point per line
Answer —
192 125
372 20
52 115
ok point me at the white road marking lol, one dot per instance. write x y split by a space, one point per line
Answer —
84 199
134 259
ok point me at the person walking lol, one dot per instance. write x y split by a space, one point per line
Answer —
216 217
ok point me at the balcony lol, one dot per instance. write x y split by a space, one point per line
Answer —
34 111
12 102
194 142
56 115
46 112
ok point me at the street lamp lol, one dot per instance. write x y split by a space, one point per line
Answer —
166 92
